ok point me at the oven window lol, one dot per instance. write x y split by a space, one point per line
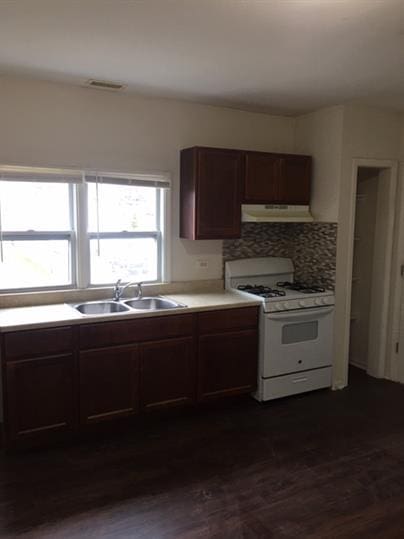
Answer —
300 332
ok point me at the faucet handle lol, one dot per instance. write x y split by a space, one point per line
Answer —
117 290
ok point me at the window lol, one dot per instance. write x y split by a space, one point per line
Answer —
58 230
36 235
124 233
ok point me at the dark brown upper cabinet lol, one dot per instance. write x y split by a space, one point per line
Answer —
216 181
261 179
211 181
276 178
295 176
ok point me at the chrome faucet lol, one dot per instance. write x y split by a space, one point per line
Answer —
119 290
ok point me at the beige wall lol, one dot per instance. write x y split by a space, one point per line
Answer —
335 137
320 134
60 125
368 133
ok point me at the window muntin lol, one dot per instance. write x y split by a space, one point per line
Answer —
56 237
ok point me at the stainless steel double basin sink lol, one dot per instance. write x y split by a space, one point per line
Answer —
157 303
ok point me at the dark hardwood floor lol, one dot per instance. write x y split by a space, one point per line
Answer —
321 465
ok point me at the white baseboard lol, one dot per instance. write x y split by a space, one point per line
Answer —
358 365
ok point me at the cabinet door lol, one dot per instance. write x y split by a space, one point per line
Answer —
261 180
218 194
167 373
40 396
295 175
108 383
227 363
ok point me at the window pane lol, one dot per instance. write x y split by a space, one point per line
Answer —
34 206
121 208
38 263
126 259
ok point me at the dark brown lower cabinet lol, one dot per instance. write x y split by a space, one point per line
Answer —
227 364
167 373
40 396
108 383
57 381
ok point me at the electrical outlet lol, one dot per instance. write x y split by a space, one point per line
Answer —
202 264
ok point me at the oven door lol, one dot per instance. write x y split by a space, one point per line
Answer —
295 341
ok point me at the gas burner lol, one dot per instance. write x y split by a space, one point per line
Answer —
273 293
301 287
262 291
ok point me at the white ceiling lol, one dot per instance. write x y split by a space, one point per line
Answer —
286 56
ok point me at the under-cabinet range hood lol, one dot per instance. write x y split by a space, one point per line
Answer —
275 213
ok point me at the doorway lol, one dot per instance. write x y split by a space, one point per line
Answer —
371 269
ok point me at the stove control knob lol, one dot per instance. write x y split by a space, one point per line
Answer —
302 303
277 307
320 301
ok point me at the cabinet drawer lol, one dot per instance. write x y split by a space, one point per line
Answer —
291 384
139 330
229 319
38 342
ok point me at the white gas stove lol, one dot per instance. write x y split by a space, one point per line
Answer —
296 326
271 279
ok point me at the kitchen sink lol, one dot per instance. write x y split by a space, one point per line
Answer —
153 304
91 308
101 307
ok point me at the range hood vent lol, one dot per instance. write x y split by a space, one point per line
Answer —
275 213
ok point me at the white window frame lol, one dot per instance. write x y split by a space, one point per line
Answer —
79 237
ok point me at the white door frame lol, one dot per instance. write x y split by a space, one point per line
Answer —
388 313
396 367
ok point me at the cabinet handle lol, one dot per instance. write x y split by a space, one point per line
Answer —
297 380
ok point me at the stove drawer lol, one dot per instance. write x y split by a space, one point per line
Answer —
292 384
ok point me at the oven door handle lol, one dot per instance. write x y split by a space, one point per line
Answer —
302 314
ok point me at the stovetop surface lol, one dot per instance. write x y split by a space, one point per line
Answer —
271 280
262 291
283 289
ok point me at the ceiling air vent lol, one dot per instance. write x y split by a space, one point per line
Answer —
105 85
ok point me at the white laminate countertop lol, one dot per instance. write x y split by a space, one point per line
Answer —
61 314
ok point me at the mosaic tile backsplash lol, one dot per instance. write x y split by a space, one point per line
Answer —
311 246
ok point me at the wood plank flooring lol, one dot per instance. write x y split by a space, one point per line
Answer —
322 465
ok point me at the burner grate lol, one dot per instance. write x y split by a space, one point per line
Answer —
262 291
301 287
